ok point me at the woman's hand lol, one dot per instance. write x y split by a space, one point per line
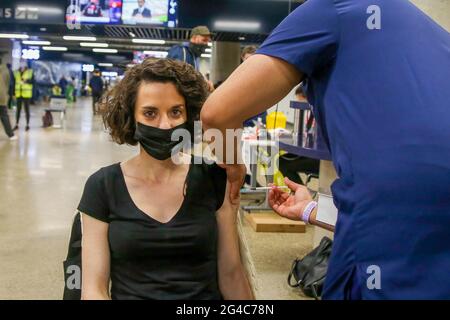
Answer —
290 206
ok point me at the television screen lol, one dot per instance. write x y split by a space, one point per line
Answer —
94 11
154 12
140 56
246 16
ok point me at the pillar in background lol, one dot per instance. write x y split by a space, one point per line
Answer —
226 56
6 50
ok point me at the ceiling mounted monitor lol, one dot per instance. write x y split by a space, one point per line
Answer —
240 16
150 12
94 12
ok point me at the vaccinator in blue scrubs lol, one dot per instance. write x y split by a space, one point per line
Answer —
378 78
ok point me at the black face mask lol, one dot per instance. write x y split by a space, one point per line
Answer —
157 142
197 49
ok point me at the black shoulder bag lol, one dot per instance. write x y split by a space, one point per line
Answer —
72 265
309 273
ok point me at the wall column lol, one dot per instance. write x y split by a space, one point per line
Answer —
226 56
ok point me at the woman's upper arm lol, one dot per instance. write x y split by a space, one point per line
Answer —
95 258
95 246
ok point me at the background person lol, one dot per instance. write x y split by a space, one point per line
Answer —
191 52
76 86
63 84
4 98
24 79
247 52
96 84
93 9
142 11
12 85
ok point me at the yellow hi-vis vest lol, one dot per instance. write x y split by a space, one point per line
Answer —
23 89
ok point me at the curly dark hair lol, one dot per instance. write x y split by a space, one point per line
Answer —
118 104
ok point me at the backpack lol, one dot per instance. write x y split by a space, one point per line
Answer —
47 119
72 264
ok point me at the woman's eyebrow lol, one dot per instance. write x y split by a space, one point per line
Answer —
149 107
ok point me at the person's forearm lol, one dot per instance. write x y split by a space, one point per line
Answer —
95 295
235 286
315 222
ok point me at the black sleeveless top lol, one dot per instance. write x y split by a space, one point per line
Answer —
154 260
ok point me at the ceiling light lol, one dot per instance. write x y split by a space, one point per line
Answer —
105 64
14 36
76 38
55 48
105 50
94 44
237 25
206 55
36 42
148 41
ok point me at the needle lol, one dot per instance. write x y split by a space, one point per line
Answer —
268 188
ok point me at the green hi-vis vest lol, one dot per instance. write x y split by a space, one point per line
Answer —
23 89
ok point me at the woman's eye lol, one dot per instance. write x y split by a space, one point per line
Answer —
149 114
176 112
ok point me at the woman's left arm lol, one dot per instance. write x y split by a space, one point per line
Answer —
233 282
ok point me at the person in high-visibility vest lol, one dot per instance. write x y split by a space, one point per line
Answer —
56 90
23 93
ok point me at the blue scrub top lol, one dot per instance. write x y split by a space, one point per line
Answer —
382 97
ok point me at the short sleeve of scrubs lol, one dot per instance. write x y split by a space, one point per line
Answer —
307 38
